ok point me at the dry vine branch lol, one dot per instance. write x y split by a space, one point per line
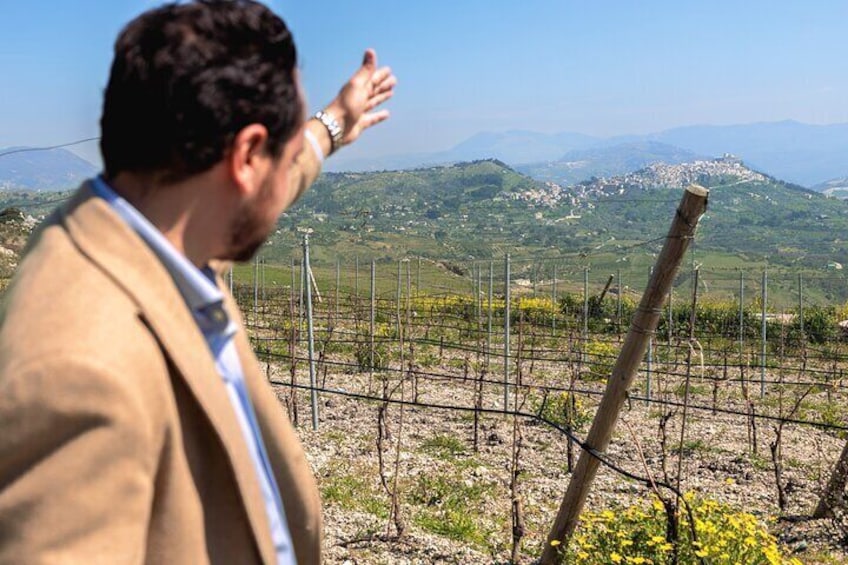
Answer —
777 451
516 505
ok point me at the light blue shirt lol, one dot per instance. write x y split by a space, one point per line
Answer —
206 302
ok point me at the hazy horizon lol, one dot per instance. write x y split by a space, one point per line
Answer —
603 69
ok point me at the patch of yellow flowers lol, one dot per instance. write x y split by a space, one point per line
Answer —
536 306
535 309
637 535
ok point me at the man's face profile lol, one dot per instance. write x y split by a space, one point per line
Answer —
258 215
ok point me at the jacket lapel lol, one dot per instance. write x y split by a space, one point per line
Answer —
293 473
102 236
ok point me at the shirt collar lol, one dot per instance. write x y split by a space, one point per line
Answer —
197 286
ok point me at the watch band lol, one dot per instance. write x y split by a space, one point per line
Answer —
333 128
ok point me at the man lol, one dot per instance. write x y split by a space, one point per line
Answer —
135 426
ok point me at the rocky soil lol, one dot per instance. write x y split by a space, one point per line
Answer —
454 501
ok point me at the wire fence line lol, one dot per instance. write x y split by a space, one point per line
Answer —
602 457
571 337
436 376
733 345
496 341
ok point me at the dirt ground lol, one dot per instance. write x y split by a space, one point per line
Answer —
454 500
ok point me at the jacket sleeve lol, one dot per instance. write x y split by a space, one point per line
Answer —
77 464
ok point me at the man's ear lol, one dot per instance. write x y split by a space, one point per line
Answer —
248 161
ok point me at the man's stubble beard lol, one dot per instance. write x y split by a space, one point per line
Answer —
247 231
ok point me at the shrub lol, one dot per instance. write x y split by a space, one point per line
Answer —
600 357
637 535
383 334
712 317
820 325
537 310
563 409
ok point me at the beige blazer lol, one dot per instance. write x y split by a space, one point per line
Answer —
118 442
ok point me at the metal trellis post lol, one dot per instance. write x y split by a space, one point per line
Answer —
763 328
506 331
310 333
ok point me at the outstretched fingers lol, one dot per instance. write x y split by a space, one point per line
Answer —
378 99
383 79
373 118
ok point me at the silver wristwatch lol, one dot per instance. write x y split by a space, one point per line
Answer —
333 128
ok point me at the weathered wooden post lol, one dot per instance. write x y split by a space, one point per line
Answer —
644 323
833 496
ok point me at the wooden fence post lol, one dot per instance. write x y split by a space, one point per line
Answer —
833 496
691 207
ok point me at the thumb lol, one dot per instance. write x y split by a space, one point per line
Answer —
369 61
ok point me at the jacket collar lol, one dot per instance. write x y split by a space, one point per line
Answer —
108 242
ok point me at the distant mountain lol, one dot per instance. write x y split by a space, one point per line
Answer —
750 214
514 146
800 153
53 169
837 188
518 146
605 161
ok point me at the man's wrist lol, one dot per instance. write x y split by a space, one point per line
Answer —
310 137
335 128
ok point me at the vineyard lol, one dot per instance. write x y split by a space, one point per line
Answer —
444 410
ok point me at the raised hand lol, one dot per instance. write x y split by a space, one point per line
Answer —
369 87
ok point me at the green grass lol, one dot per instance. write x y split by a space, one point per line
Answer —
432 276
443 446
351 489
449 506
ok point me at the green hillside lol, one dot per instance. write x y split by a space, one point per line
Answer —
478 211
455 212
484 209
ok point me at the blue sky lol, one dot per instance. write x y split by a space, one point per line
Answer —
465 66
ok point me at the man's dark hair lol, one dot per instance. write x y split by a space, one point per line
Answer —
186 78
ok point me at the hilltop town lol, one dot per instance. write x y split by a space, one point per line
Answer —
726 170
